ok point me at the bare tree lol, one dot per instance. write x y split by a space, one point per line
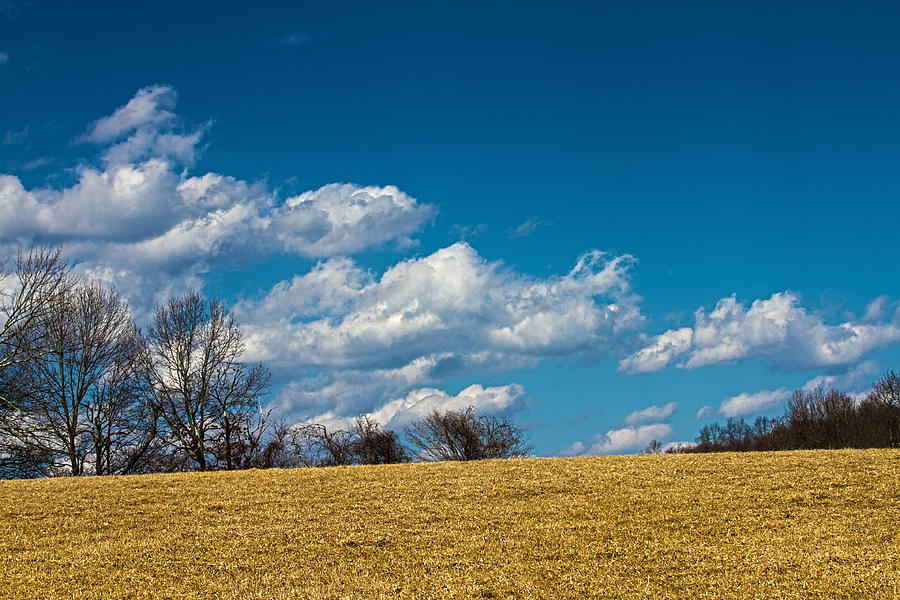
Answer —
373 445
91 348
26 300
654 447
885 395
123 421
236 393
278 451
463 435
206 396
71 410
365 443
317 445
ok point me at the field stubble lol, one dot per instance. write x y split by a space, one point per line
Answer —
815 524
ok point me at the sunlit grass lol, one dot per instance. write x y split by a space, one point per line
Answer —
820 524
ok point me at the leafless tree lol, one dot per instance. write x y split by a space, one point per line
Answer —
278 451
208 399
73 405
317 445
123 421
365 443
373 445
28 294
654 447
463 435
885 395
236 393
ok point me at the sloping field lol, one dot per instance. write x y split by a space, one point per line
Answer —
820 524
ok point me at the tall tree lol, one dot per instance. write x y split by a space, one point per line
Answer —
201 389
885 395
28 295
72 401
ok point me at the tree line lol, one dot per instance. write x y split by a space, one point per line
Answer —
83 391
813 419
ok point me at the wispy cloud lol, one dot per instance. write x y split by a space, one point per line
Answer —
748 404
525 229
15 137
651 414
296 38
37 163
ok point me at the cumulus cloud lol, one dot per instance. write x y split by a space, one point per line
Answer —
452 302
651 414
142 222
703 412
4 57
776 328
345 218
368 338
617 441
659 352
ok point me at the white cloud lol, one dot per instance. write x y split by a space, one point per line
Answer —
879 309
370 339
651 414
4 57
142 223
704 412
776 328
856 382
345 218
151 107
659 352
420 402
678 446
617 441
748 404
37 163
417 403
451 302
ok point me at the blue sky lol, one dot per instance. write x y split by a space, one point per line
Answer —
594 218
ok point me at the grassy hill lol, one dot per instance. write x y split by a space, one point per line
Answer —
816 524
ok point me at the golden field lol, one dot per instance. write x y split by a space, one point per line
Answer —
812 524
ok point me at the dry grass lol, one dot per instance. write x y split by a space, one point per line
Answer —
788 525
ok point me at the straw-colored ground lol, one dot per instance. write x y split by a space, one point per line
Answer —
788 525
